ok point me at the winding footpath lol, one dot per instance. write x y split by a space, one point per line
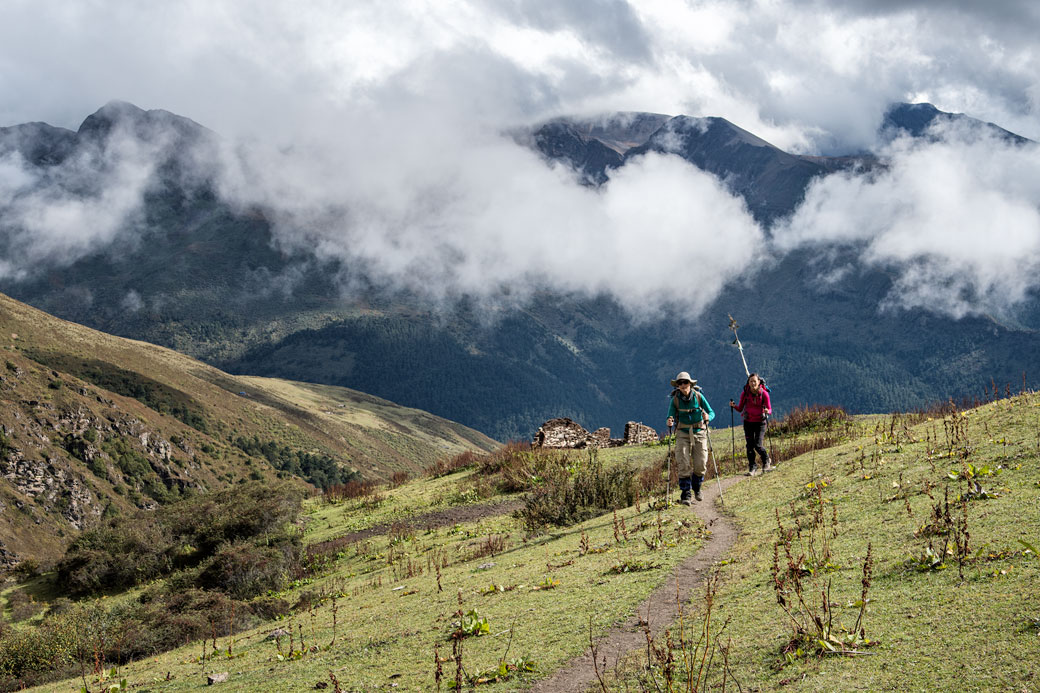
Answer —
579 674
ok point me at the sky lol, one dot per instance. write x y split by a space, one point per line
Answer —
377 133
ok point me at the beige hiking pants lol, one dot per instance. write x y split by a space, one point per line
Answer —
691 449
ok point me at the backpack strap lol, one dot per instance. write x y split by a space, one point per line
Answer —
697 397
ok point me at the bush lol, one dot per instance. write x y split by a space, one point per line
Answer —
126 551
463 460
29 656
162 620
564 499
120 553
351 489
22 605
503 458
245 570
811 418
319 469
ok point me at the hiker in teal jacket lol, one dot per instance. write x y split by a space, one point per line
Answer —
690 413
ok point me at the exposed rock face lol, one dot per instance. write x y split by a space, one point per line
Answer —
566 434
52 487
637 434
67 452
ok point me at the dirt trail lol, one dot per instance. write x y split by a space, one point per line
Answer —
437 518
579 674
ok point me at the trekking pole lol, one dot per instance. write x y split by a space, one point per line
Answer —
715 463
668 478
732 435
740 347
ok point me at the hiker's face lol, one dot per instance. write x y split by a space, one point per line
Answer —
684 387
753 383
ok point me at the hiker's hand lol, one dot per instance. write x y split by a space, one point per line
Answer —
732 404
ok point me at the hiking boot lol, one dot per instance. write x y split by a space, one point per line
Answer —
768 466
750 471
684 498
697 495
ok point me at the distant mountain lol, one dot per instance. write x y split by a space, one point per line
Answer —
772 181
915 120
208 280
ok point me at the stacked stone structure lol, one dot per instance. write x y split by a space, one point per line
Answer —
563 433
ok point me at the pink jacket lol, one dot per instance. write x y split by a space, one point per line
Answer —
754 407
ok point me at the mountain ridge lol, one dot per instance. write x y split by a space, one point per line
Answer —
212 282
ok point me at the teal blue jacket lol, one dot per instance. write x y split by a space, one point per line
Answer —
691 412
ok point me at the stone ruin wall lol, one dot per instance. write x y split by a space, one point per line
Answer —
565 433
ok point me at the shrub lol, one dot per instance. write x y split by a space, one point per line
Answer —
522 468
29 656
503 458
125 551
811 418
28 569
351 489
564 499
244 570
464 460
117 554
22 605
398 479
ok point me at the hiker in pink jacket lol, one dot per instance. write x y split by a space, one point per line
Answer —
755 407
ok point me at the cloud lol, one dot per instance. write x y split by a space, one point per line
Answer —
55 215
802 74
957 220
483 216
371 133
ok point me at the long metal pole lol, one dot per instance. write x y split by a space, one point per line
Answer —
740 347
711 451
733 435
668 478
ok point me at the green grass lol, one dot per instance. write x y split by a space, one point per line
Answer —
931 630
386 506
547 590
935 631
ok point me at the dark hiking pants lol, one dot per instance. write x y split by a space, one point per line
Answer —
754 437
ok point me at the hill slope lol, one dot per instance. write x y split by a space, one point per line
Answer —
93 424
947 602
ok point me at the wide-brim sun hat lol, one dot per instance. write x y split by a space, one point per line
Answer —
683 376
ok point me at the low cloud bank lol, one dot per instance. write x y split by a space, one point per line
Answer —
956 217
441 210
54 216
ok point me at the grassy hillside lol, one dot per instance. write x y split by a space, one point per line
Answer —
93 425
946 508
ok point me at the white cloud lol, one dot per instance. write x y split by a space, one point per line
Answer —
957 220
58 215
371 131
483 216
